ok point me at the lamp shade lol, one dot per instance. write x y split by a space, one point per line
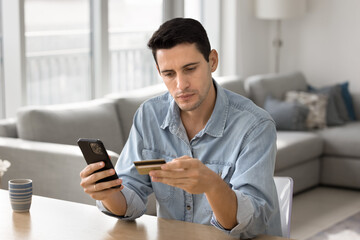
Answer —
279 9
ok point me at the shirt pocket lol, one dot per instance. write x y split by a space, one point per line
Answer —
223 171
220 169
163 192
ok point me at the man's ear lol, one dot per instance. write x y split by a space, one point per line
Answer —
213 60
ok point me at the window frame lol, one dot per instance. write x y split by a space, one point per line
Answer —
13 56
13 85
2 89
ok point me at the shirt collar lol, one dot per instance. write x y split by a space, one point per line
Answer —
172 118
215 125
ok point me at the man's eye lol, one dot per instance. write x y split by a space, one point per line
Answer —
190 69
168 74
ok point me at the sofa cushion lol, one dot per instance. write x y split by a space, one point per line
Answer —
287 115
336 112
296 147
342 140
128 103
305 175
8 128
66 123
232 83
348 101
356 102
340 171
275 85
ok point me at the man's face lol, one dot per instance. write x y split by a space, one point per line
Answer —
186 74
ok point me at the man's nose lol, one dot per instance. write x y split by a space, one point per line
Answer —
182 82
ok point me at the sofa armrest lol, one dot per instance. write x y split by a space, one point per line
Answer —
54 168
8 128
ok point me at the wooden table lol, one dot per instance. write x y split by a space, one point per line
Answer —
56 219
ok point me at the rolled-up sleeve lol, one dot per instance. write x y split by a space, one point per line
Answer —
254 186
243 216
135 209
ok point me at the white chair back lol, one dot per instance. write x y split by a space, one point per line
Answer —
284 188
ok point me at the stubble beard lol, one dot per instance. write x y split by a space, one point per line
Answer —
197 103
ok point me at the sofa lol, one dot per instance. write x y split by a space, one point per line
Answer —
41 141
327 156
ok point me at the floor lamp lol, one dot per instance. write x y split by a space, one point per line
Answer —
279 10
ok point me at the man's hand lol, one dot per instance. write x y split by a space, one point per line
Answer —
98 191
187 173
194 177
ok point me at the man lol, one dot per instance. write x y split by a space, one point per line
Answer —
219 147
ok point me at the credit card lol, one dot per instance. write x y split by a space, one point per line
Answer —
145 166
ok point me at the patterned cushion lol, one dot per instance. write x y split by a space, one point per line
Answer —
317 107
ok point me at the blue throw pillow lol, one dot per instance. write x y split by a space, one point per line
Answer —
348 100
287 115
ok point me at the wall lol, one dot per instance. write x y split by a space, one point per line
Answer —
253 39
245 45
325 43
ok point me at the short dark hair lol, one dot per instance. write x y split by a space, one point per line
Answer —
177 31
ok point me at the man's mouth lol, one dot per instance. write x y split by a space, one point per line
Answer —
185 96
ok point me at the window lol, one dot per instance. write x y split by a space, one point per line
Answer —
131 24
208 12
61 51
58 66
2 92
193 9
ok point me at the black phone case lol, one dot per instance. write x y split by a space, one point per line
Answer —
98 156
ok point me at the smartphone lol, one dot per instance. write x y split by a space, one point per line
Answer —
94 151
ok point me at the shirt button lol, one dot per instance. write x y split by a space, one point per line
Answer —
188 208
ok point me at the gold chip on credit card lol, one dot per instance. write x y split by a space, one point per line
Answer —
145 166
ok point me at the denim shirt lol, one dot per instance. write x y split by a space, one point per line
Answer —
238 143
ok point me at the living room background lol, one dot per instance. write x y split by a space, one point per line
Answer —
324 44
